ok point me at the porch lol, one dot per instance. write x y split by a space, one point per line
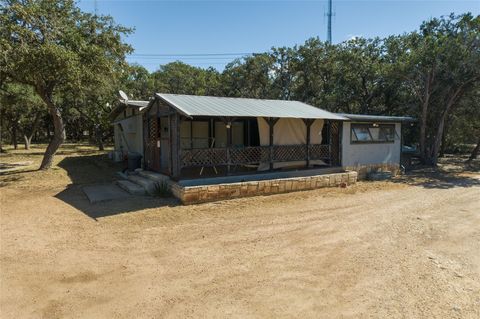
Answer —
235 159
184 139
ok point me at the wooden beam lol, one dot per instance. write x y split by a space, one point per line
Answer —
175 145
308 124
191 134
271 124
229 144
210 132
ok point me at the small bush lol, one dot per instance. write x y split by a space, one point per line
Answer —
162 189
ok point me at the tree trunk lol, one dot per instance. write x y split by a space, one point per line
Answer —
27 141
28 137
1 130
423 123
438 137
99 138
433 160
58 131
475 152
444 141
14 134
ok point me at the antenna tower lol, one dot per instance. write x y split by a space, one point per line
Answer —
329 26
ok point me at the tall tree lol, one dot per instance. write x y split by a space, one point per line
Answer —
439 63
180 78
23 111
137 82
460 72
58 49
250 77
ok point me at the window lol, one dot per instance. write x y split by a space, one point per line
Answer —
194 134
372 133
237 130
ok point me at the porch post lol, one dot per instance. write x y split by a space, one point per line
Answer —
228 124
308 124
175 145
271 124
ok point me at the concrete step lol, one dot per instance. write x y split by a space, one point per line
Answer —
147 184
121 175
130 187
156 177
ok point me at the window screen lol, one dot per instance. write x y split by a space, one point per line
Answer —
200 134
372 133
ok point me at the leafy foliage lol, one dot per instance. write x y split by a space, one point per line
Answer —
75 63
61 52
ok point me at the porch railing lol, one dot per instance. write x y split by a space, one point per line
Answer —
253 155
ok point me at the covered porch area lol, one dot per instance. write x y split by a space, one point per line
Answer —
191 137
225 146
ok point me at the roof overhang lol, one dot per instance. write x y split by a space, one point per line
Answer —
378 118
140 106
209 106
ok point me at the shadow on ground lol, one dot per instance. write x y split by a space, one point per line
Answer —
98 169
74 196
442 178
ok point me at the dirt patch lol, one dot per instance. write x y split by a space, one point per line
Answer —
398 249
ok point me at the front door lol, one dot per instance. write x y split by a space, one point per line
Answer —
152 143
164 145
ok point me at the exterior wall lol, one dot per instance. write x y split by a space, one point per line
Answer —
354 155
133 133
208 193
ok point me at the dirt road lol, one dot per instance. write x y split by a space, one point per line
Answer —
376 250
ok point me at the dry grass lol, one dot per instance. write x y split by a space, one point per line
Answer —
73 164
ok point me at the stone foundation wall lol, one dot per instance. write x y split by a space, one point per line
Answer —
364 169
207 193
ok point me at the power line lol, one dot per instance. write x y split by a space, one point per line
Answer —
173 58
205 63
189 54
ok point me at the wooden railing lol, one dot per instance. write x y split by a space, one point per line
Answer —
205 157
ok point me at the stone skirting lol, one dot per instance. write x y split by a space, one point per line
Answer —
365 169
208 193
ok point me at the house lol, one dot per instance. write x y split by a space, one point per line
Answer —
200 141
127 120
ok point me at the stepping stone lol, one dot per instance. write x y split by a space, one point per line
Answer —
102 193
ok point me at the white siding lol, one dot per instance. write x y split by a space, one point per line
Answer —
133 133
375 153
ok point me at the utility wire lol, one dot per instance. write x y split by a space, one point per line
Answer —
189 54
189 59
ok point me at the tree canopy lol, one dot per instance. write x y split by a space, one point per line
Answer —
59 51
55 58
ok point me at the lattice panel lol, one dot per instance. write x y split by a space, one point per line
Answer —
319 151
204 157
151 143
249 155
335 143
285 153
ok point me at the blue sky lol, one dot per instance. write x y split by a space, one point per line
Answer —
218 27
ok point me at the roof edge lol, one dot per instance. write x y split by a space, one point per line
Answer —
378 118
178 108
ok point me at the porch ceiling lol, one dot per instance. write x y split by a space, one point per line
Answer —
192 105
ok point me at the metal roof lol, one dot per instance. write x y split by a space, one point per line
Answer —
193 105
138 105
377 118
